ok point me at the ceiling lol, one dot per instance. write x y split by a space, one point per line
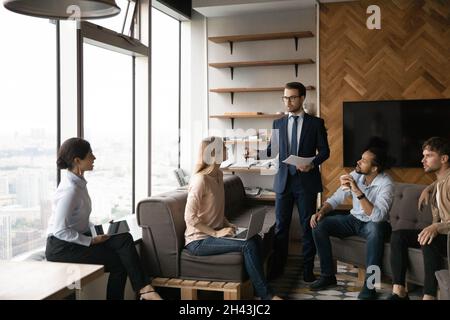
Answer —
219 8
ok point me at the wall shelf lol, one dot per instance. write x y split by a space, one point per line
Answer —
264 36
246 116
232 91
243 64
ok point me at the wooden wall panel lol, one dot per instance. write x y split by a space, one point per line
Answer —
407 59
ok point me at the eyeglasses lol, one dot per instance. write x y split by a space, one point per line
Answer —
291 98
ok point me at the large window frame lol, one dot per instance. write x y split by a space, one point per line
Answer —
72 35
177 17
33 58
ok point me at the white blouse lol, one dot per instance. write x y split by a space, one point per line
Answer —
70 218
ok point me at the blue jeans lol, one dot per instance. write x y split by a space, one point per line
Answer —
343 226
252 258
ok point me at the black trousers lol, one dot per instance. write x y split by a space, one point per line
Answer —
401 240
118 254
284 204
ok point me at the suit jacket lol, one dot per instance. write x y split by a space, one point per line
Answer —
313 143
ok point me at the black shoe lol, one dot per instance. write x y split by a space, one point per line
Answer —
323 283
395 296
367 294
308 276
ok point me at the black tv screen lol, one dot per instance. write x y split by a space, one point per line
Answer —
404 124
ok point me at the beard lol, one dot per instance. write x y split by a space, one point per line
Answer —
430 169
358 170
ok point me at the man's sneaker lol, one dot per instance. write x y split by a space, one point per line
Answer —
395 296
367 294
323 283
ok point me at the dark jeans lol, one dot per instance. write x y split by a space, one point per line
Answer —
118 254
343 226
432 259
251 249
401 240
284 204
433 253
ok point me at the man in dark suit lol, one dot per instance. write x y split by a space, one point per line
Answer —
300 134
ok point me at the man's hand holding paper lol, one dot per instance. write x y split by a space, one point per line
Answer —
302 164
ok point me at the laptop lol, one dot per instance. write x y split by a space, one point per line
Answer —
114 227
254 227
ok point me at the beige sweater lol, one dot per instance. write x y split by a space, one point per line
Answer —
441 211
205 204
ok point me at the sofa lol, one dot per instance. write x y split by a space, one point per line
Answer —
162 220
403 215
443 276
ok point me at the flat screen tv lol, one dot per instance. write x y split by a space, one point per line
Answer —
403 124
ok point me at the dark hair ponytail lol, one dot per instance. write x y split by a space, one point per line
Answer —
72 148
61 163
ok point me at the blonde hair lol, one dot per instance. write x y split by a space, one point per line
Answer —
210 154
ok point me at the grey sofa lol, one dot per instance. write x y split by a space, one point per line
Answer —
443 276
162 220
403 215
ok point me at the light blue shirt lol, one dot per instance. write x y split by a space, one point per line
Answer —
70 218
380 193
299 127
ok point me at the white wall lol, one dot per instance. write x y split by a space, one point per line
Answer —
273 76
194 113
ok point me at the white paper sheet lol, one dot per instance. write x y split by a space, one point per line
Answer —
298 161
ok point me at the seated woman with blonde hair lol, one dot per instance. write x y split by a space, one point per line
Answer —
69 238
205 218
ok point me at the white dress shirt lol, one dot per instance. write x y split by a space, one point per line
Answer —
70 218
299 128
380 193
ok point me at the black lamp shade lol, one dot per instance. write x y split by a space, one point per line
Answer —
64 9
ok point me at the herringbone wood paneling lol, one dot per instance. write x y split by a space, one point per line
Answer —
407 59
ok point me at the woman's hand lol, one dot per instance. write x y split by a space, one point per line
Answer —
99 239
228 231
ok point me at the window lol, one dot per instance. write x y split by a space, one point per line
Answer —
116 23
108 111
27 131
165 101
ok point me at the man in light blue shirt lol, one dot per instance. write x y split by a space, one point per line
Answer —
372 192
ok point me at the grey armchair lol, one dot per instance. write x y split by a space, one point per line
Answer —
443 276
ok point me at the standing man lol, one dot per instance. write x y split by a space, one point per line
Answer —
372 193
433 239
300 134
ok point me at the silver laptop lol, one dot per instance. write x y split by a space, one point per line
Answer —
254 227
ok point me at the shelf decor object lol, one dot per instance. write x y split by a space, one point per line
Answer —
264 36
242 64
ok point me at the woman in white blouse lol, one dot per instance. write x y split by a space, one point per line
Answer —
205 217
69 238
